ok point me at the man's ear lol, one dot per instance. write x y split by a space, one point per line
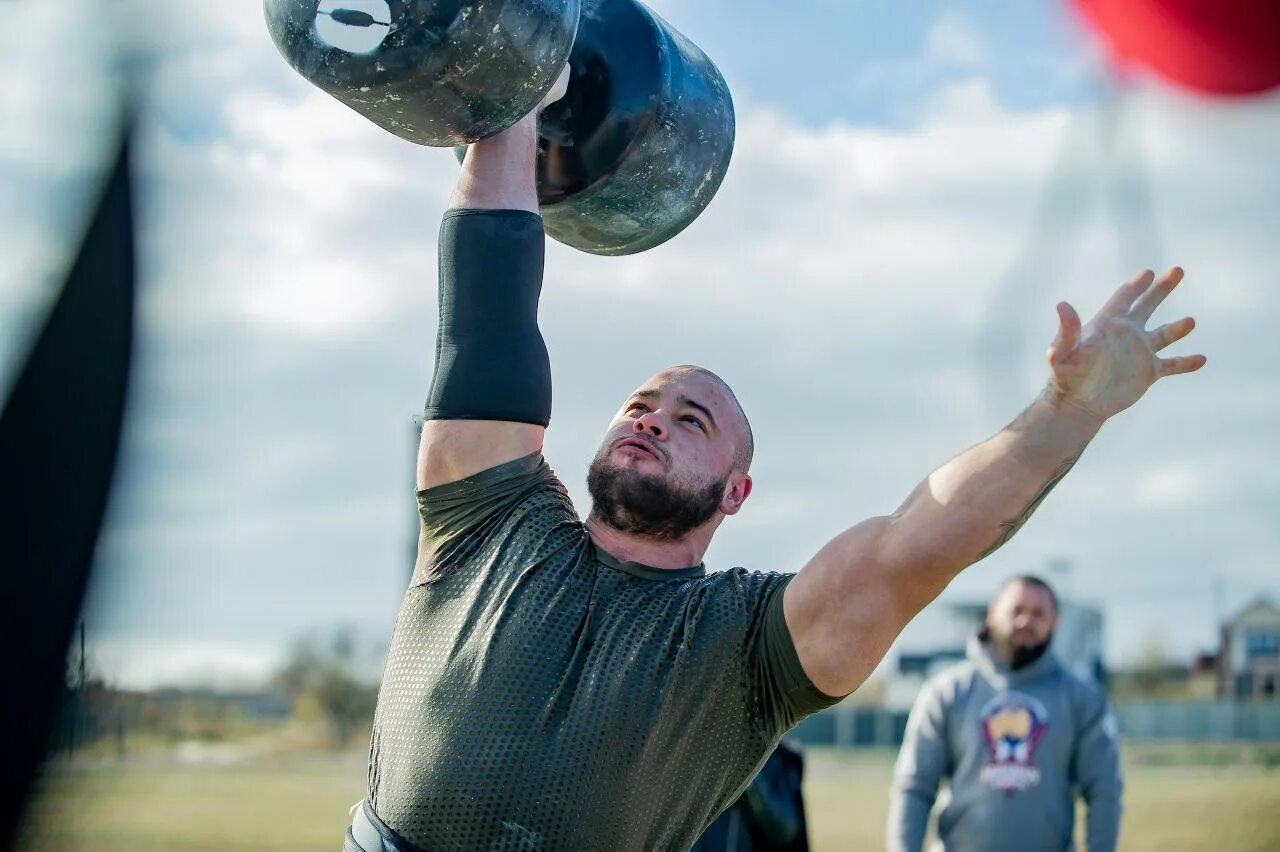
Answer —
736 493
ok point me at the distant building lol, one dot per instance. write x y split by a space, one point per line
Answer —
1249 656
1077 641
1202 678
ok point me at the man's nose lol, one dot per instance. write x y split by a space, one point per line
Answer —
651 424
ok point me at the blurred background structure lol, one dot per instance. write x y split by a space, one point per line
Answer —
915 186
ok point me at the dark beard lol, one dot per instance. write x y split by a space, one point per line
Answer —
1017 656
649 505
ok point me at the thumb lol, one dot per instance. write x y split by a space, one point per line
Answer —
1068 334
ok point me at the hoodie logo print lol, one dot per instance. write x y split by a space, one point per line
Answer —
1012 726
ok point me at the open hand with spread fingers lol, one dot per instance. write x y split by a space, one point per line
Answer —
1107 365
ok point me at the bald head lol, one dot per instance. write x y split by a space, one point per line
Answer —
744 440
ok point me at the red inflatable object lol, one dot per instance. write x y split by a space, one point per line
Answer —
1221 47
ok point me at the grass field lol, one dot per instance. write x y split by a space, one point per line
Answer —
1175 800
1172 802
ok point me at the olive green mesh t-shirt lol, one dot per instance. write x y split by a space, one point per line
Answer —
539 694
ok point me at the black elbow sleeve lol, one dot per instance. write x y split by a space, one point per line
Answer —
491 361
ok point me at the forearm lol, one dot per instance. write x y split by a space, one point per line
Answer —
976 502
1102 823
1101 780
490 395
908 819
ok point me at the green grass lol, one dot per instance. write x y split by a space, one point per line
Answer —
291 804
1222 798
1219 799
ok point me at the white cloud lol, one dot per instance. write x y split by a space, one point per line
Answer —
56 105
148 664
64 97
1174 486
952 40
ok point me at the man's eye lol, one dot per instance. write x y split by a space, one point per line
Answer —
695 421
637 406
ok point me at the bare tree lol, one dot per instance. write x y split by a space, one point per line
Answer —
327 673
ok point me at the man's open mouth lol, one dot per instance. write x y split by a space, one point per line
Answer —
642 446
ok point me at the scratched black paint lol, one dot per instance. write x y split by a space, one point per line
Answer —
642 139
447 71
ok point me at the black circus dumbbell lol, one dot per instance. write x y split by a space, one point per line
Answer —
629 157
435 72
642 139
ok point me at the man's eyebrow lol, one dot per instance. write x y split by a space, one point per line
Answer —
684 400
653 393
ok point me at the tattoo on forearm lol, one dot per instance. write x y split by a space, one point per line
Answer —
1010 527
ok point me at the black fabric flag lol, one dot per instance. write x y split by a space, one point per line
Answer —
59 435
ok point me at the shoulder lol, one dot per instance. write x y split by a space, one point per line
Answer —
743 611
739 607
747 581
747 591
1091 713
527 483
1085 694
503 514
952 682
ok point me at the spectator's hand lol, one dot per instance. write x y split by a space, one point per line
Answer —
1107 365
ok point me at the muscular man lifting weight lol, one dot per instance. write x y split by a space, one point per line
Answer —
560 684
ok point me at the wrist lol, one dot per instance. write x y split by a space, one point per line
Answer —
521 135
1071 411
498 172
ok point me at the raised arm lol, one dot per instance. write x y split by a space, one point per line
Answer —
854 597
490 396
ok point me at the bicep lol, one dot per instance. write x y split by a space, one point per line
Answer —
847 606
450 450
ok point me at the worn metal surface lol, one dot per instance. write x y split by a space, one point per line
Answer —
642 140
435 72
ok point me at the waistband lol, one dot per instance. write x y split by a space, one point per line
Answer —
370 834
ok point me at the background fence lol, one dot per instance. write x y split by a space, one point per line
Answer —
1139 721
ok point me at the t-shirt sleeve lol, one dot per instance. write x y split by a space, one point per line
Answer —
459 518
779 682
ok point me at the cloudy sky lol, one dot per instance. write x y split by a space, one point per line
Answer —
912 191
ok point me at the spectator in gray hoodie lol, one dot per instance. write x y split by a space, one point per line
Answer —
1018 737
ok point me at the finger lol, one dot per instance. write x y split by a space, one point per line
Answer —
1170 333
1151 299
1068 334
1175 366
1128 292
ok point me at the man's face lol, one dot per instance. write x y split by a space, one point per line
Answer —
1021 621
665 466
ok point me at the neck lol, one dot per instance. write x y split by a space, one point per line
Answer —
658 553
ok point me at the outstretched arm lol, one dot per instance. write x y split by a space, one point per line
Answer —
490 395
854 597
